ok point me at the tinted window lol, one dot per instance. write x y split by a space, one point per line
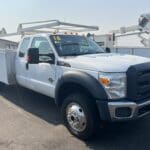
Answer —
72 45
24 46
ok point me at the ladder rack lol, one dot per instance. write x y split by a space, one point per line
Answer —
48 26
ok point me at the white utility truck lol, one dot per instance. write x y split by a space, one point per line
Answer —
88 85
142 31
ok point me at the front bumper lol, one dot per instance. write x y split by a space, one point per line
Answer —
123 111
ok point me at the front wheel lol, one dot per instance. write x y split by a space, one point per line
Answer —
1 85
80 115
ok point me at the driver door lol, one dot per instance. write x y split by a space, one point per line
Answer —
42 75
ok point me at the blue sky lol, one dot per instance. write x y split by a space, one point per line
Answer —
108 14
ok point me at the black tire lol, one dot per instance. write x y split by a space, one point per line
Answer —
1 86
91 113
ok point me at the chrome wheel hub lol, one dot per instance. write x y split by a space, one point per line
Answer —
76 117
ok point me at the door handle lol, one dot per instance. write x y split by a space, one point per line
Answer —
51 80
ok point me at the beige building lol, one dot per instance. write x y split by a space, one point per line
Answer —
5 44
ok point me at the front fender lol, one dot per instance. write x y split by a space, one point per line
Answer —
87 81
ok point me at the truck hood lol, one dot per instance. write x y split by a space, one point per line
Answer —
111 62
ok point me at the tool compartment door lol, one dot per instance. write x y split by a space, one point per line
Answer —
7 66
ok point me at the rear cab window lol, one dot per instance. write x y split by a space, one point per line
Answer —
24 47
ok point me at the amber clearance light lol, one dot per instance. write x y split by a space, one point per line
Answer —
104 81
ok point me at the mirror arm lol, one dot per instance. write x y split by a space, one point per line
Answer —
27 66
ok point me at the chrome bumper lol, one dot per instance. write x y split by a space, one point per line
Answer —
135 110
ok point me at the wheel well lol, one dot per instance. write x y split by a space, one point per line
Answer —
68 88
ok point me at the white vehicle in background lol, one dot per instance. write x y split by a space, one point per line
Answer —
105 40
142 30
88 85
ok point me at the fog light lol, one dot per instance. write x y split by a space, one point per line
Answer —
123 112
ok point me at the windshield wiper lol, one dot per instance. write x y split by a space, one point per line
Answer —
99 52
78 54
90 53
72 54
68 44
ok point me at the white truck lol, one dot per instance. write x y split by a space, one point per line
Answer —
142 31
88 85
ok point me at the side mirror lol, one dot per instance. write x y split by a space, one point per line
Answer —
33 56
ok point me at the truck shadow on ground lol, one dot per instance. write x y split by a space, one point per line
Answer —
118 136
37 104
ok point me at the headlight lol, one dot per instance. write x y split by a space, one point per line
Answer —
114 84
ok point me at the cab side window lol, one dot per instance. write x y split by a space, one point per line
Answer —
24 46
44 47
42 44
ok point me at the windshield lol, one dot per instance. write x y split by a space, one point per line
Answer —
73 45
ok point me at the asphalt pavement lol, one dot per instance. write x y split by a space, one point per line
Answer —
30 121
